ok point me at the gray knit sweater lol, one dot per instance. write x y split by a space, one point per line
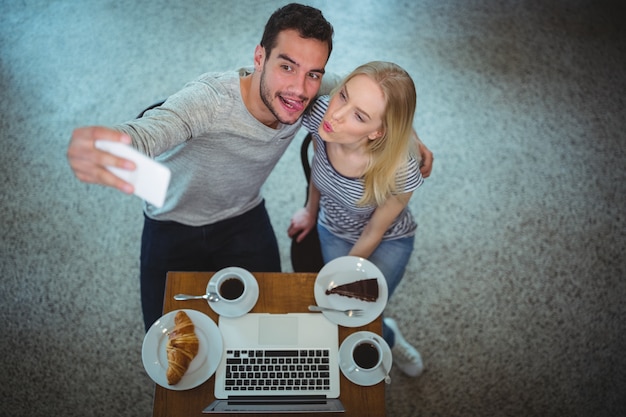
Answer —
219 154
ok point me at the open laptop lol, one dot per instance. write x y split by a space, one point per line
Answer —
278 363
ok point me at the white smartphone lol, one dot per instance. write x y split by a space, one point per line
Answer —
150 179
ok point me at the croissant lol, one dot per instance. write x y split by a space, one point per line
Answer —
181 348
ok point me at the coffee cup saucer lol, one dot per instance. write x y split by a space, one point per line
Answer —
359 376
244 304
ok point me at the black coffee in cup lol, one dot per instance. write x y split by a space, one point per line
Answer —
365 355
231 288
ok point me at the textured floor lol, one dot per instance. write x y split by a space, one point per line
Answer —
516 291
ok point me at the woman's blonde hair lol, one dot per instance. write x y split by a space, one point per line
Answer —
390 153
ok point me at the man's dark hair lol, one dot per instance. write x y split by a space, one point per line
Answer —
308 21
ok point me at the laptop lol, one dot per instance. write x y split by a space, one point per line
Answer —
278 363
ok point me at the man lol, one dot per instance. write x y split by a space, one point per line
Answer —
221 136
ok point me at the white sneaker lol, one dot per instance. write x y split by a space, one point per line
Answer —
405 356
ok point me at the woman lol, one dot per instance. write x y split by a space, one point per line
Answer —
364 172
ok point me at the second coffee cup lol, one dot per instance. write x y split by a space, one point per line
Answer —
366 355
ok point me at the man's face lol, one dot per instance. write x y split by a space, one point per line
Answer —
292 75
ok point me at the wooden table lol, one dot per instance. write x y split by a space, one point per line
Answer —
278 293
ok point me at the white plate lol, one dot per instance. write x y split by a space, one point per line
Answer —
359 377
210 349
242 306
343 270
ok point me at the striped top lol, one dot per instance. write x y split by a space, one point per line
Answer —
339 212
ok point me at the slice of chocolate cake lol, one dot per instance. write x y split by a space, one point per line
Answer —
365 289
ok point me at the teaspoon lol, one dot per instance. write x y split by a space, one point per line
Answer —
382 363
211 297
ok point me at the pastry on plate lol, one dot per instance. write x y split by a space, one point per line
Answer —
181 348
365 289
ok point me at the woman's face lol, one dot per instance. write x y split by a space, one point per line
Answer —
355 113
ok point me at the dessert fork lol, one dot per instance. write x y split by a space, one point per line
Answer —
350 312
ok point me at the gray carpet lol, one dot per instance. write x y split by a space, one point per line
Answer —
515 294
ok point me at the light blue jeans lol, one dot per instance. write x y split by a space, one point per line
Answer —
391 257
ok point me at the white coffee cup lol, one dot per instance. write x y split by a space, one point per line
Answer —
366 355
230 287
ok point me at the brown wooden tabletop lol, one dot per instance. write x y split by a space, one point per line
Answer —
278 293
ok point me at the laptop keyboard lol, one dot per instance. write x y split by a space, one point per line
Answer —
303 370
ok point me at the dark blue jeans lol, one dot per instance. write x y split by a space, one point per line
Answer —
247 241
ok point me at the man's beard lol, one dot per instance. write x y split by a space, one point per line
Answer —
266 96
